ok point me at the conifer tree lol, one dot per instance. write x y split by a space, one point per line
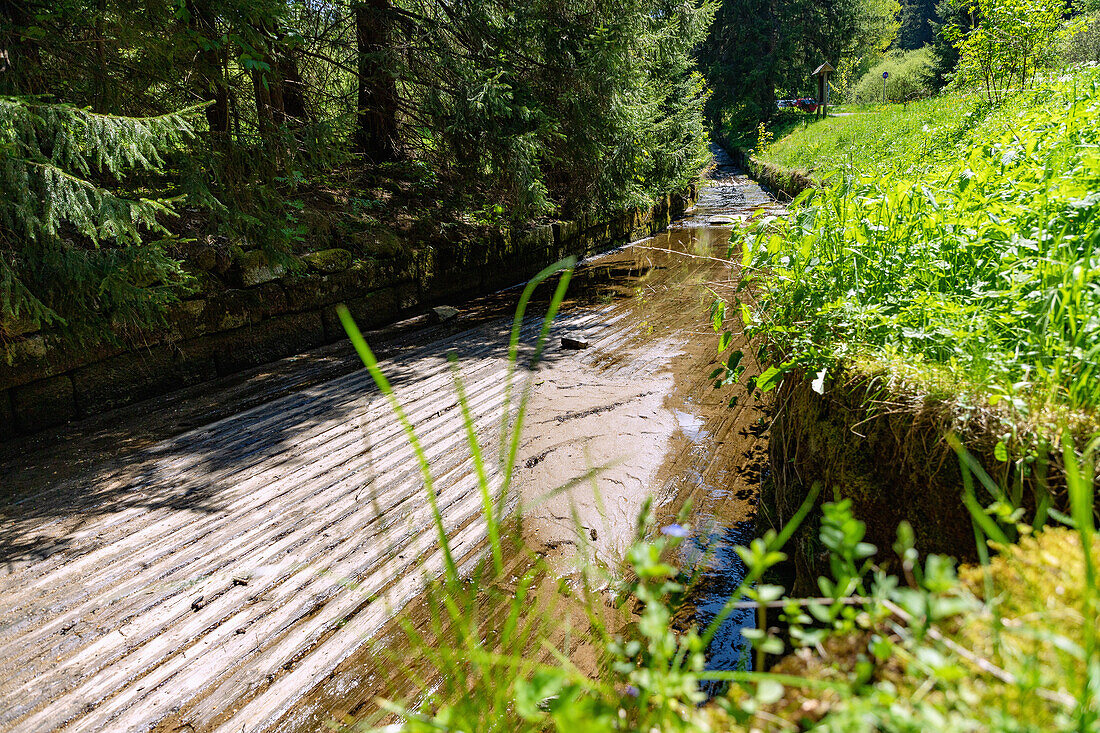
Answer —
75 248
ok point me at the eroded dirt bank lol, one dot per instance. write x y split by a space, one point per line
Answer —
231 576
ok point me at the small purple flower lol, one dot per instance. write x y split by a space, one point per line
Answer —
632 691
674 530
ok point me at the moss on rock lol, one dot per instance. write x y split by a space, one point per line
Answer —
328 260
255 267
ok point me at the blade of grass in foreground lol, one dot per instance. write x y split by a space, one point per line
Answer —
379 378
511 446
1079 482
493 518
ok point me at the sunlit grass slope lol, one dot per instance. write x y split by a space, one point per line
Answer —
948 238
872 138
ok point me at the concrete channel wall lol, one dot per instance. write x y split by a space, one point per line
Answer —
268 312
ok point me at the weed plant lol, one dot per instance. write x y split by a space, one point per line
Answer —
980 257
917 650
911 77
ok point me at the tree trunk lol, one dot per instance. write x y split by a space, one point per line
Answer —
262 88
376 129
292 88
771 50
99 96
203 23
279 93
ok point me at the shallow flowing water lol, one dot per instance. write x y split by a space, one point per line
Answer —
233 569
639 406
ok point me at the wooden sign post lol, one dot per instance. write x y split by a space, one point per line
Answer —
822 73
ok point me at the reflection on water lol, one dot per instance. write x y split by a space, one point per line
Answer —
709 555
718 525
691 425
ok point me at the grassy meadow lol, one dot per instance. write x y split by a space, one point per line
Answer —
950 238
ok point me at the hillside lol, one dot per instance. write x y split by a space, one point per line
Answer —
947 238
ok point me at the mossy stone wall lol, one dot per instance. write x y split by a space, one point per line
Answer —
783 183
252 309
883 445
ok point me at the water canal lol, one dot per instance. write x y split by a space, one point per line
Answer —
232 571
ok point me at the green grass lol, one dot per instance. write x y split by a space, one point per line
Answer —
943 241
873 138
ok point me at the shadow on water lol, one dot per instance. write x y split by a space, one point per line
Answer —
709 555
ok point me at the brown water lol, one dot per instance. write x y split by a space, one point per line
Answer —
639 406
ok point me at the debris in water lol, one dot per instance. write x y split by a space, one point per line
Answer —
444 313
574 342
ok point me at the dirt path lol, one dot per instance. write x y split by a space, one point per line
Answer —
230 576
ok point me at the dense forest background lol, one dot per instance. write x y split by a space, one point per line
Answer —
131 130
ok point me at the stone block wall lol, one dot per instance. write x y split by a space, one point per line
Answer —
266 311
783 183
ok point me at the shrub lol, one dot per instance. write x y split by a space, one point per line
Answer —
911 77
1013 39
1083 46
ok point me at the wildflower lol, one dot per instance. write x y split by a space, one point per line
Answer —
674 530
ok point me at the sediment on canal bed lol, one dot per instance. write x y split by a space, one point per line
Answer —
880 441
250 311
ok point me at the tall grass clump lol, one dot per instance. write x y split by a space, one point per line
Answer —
916 646
984 265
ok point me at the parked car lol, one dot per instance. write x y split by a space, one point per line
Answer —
806 104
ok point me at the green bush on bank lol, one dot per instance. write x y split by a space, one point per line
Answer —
1083 47
979 255
911 77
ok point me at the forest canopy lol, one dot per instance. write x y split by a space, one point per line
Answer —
128 130
142 125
